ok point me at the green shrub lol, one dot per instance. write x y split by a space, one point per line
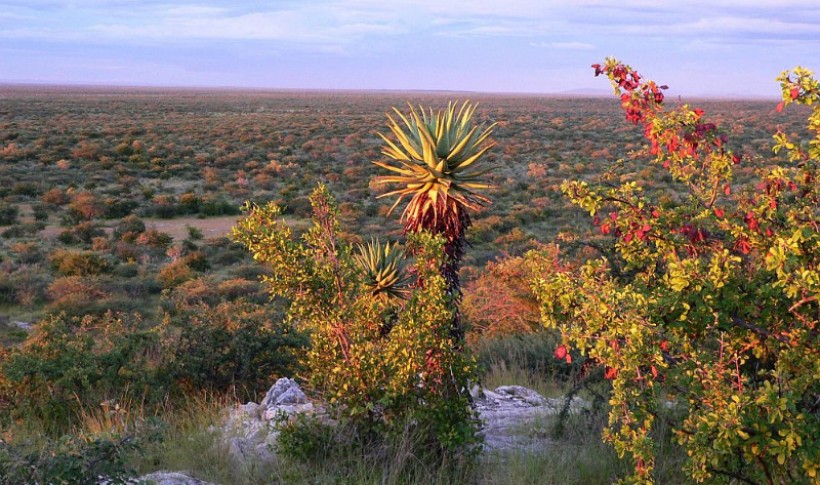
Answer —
117 208
69 460
174 274
23 230
26 189
83 232
67 237
41 212
68 365
7 286
196 261
8 214
128 228
308 438
711 306
154 239
313 451
208 290
233 346
379 362
217 206
126 270
25 286
78 263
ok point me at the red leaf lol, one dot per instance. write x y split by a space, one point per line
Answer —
779 107
561 352
727 189
743 246
795 93
719 212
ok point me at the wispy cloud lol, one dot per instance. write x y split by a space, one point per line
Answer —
321 41
727 27
563 45
346 21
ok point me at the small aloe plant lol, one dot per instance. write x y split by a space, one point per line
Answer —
384 267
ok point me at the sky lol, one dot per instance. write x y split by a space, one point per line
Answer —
698 47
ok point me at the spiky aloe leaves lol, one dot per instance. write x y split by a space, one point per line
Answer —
384 268
434 162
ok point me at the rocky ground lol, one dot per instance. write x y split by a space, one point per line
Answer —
507 414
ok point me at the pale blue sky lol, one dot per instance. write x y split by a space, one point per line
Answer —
713 47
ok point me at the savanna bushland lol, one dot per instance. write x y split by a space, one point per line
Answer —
662 266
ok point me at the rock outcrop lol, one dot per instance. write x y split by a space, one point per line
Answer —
509 415
160 478
171 478
509 412
250 429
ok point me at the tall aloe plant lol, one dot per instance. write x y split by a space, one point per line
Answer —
434 160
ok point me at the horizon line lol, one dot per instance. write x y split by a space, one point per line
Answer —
579 92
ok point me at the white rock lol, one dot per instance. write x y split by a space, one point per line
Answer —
172 478
509 415
522 393
274 413
250 430
285 391
23 325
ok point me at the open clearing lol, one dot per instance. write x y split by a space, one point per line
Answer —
211 227
178 227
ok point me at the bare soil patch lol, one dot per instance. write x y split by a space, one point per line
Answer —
211 227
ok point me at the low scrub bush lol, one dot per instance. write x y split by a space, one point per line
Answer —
233 346
8 214
78 263
70 364
69 460
312 451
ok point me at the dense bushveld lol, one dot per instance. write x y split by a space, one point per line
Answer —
89 174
